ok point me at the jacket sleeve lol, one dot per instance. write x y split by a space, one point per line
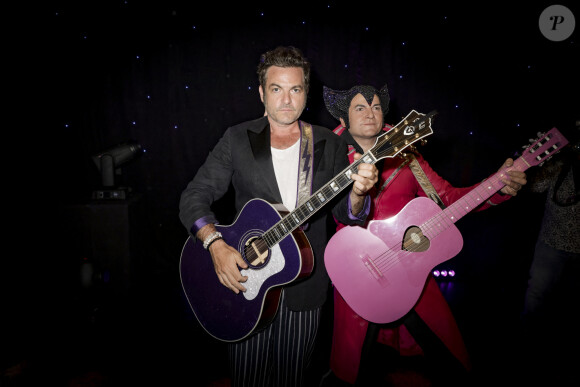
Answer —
342 210
210 183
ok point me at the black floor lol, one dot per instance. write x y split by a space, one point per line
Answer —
57 332
150 336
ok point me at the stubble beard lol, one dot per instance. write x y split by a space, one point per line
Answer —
284 117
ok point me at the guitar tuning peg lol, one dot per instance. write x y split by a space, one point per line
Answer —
423 142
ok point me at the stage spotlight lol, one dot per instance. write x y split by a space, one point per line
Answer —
110 160
108 163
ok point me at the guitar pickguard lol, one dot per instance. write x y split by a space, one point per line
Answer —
256 277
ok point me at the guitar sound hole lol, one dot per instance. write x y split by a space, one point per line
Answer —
256 252
415 241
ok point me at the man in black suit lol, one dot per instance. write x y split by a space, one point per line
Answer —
280 159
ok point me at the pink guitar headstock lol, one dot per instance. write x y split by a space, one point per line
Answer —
544 147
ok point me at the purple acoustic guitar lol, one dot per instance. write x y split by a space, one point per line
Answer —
276 250
381 270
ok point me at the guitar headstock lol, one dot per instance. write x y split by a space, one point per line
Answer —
414 127
544 147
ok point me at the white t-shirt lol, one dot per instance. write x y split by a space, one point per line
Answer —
286 163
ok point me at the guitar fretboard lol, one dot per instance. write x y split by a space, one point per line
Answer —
467 203
537 153
325 194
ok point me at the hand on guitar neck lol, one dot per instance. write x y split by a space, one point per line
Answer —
515 179
366 177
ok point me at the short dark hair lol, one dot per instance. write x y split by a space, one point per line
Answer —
283 57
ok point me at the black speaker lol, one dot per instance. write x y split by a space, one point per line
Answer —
103 239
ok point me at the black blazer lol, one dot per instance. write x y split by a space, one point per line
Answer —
242 158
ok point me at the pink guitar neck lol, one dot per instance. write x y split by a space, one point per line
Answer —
471 200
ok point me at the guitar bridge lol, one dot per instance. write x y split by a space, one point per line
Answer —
375 271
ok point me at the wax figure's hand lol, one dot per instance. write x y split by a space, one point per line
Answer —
365 178
226 262
514 181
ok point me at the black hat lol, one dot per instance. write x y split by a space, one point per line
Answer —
337 102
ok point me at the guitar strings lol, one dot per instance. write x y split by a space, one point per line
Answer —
435 226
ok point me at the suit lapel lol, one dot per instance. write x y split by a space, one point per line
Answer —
260 143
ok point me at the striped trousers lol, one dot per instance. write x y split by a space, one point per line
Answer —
278 355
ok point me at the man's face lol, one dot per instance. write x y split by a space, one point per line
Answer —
365 120
285 94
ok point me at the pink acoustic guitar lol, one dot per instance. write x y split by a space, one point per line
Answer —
381 270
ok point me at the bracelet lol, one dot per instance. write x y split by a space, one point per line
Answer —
212 241
212 238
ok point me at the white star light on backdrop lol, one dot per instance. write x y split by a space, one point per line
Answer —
262 14
61 14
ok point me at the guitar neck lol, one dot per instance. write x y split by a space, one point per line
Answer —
471 200
325 194
412 128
